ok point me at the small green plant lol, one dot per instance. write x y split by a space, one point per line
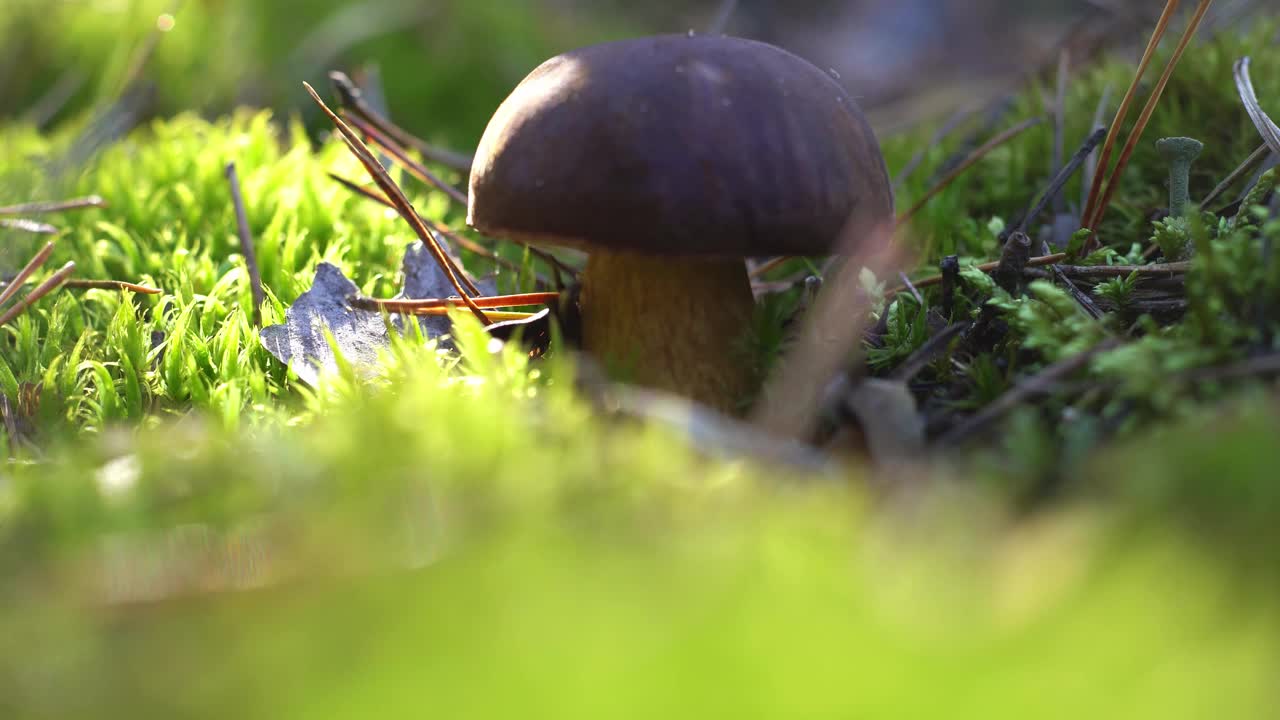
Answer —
1118 290
906 331
986 381
1048 321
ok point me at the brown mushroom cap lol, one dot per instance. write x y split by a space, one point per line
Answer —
679 145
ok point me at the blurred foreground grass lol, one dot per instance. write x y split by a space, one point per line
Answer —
476 543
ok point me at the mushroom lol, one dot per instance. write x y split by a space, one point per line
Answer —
669 160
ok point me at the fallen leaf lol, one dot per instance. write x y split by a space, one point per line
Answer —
423 280
358 334
301 340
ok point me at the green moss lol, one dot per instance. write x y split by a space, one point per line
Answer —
102 356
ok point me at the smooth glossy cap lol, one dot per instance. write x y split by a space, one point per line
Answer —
679 145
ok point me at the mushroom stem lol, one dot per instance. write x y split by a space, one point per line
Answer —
1179 153
675 324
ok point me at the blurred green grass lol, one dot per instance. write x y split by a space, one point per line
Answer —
531 559
443 65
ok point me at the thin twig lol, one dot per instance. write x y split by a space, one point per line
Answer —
74 284
37 208
422 173
35 263
246 245
1113 182
435 227
41 290
1122 112
1110 271
1251 163
1091 163
415 168
1082 299
985 267
1060 180
79 284
1154 286
494 301
392 307
30 226
556 264
403 207
967 163
906 282
352 98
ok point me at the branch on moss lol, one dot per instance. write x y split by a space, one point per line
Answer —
352 98
246 244
36 208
